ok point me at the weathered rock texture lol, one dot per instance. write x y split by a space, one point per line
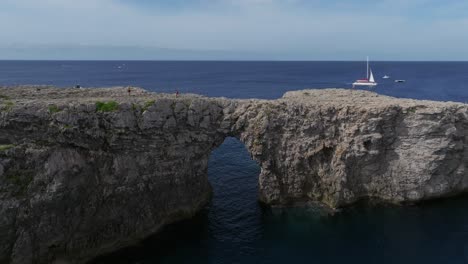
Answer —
79 179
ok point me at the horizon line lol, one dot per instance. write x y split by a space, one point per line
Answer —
214 60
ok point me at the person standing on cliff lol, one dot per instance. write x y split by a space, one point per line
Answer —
177 93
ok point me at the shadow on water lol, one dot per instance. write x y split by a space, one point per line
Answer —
234 228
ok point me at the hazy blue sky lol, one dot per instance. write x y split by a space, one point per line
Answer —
234 29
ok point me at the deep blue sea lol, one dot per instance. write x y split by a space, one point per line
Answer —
234 228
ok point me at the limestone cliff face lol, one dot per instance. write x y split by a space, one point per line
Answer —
87 171
77 179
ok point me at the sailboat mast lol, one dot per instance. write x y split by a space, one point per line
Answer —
367 72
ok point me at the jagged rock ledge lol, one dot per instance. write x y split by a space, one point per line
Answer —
87 171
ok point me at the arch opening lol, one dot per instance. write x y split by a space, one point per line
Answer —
227 228
234 210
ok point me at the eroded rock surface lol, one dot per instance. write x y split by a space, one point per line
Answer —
87 171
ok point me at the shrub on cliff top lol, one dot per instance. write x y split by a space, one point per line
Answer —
7 106
107 106
53 109
148 105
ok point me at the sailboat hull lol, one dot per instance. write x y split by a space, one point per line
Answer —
371 84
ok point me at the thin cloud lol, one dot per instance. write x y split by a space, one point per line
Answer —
291 28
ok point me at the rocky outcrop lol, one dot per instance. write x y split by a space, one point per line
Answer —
336 147
87 171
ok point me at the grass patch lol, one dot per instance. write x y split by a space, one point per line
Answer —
4 97
6 147
8 106
148 105
107 106
53 109
411 110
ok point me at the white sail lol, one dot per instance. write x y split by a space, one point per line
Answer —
367 69
371 78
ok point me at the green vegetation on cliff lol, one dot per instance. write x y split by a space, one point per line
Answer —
148 105
107 106
7 106
53 109
6 147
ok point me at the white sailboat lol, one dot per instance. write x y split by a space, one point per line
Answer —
369 81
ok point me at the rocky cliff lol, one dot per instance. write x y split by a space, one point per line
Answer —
87 171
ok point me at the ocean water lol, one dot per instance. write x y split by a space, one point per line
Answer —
234 228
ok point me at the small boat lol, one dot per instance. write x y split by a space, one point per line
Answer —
400 81
369 81
386 77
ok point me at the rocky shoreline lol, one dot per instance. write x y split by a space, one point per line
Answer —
87 171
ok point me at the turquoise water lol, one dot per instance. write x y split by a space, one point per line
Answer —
234 228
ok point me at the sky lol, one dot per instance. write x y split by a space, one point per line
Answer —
234 29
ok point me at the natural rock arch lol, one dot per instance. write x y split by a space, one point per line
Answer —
87 171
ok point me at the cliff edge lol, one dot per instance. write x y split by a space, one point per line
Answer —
87 171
